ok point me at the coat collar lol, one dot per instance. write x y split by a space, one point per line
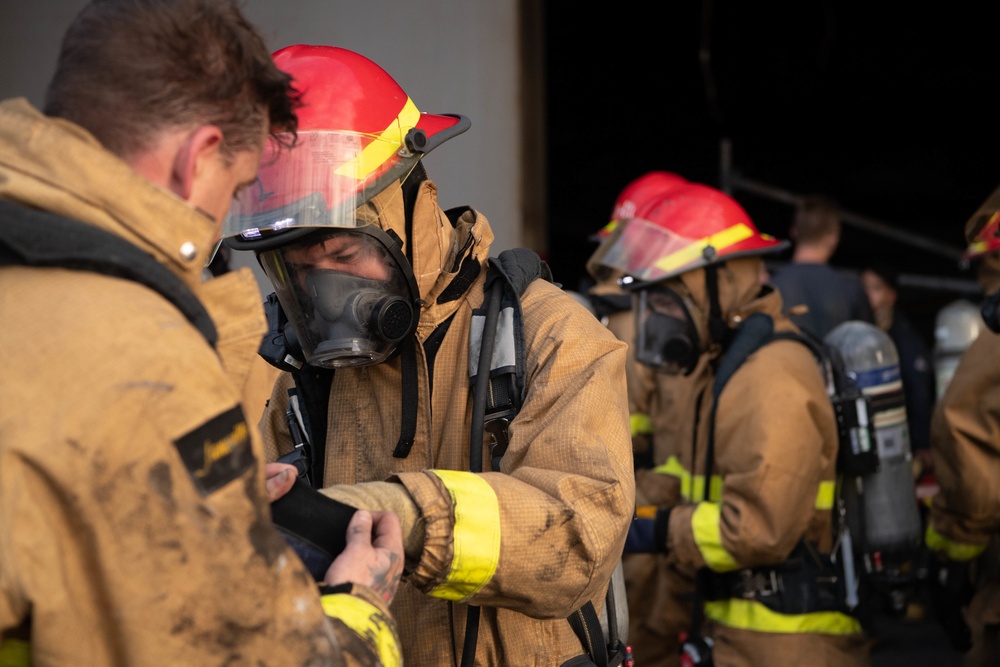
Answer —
57 166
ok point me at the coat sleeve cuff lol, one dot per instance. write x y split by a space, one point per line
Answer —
957 551
437 510
363 611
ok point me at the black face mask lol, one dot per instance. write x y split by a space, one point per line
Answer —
338 317
354 317
991 312
668 343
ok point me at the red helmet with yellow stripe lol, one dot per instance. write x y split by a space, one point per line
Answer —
685 228
637 193
359 133
982 231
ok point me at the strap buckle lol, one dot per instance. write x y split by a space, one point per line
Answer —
759 583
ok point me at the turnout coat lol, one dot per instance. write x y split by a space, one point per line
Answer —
134 523
531 543
771 483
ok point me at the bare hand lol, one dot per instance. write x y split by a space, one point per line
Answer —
278 478
373 556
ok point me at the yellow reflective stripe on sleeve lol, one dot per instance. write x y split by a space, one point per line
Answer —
691 487
826 495
367 621
15 653
672 468
476 536
752 615
961 551
708 538
640 424
383 147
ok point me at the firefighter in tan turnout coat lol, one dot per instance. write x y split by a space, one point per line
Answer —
349 217
755 472
134 522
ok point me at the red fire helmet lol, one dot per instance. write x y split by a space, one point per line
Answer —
358 134
638 192
691 226
982 230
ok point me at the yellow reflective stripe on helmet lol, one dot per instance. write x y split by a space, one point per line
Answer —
752 615
382 147
708 537
693 252
640 423
475 538
935 541
368 621
15 653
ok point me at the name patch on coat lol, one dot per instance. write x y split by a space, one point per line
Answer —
218 451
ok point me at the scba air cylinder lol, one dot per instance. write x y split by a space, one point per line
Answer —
881 506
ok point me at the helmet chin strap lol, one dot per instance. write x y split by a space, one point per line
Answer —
717 330
411 190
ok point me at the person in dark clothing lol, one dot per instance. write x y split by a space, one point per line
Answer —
916 366
829 295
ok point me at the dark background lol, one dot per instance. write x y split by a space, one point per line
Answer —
890 110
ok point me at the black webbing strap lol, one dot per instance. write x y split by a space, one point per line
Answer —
587 626
37 238
476 441
408 371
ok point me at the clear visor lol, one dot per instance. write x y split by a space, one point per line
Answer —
347 295
320 182
647 251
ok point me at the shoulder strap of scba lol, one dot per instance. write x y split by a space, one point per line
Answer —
30 237
497 397
503 387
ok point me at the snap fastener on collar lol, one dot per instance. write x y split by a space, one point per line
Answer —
188 251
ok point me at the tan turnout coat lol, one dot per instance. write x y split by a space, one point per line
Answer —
775 442
106 542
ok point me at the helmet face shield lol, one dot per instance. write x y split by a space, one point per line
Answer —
322 181
686 227
348 294
644 250
666 338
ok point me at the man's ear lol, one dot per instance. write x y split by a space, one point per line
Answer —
191 158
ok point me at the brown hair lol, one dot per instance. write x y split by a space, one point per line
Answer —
816 216
130 69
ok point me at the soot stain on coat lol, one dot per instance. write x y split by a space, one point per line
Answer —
109 480
162 484
183 624
551 568
266 540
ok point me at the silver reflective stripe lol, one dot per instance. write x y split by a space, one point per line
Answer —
503 346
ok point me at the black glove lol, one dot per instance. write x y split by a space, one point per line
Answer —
314 525
951 590
648 536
